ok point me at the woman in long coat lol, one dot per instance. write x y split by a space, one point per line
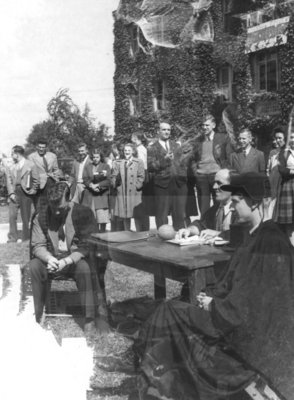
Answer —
97 182
127 178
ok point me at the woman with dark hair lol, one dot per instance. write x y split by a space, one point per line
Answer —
97 182
285 203
272 170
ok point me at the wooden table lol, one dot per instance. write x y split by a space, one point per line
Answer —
164 260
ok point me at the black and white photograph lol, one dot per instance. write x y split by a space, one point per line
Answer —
147 200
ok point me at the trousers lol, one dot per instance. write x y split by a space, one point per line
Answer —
80 272
23 202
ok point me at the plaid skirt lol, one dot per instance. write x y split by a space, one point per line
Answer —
285 206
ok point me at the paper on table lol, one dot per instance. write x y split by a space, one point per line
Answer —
192 240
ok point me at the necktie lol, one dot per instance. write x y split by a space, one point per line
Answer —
220 218
45 164
166 146
245 154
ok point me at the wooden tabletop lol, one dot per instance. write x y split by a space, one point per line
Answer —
156 250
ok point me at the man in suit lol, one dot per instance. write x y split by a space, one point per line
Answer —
77 173
212 152
168 166
22 185
59 247
247 158
47 167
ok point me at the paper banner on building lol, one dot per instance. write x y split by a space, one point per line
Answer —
269 34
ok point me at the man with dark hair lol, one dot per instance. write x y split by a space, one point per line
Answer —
47 167
240 329
77 173
168 165
212 151
22 185
59 247
247 158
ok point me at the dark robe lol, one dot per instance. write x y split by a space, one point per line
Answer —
192 354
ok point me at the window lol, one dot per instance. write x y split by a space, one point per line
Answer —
159 99
224 82
133 31
134 100
266 71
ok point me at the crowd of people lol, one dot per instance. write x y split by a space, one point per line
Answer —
138 180
217 346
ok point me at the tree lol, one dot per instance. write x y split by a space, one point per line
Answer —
66 127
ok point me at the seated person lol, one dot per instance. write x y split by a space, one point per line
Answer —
216 221
59 247
240 328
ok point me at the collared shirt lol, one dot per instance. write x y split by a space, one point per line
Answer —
81 170
227 216
164 144
210 137
246 151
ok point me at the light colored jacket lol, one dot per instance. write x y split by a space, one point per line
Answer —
128 183
53 170
29 178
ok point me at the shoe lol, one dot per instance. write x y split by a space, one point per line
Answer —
125 362
90 332
11 240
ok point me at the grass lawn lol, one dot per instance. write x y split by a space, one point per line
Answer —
122 283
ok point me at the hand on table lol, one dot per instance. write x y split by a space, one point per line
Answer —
208 234
186 232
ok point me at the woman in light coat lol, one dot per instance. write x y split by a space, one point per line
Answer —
127 178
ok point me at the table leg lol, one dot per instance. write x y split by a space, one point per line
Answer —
196 282
159 287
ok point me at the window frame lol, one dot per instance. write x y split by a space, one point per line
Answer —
159 104
269 57
222 87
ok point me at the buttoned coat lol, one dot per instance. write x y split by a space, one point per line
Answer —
101 199
253 162
128 182
29 176
53 170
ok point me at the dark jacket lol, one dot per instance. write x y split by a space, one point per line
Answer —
100 199
253 162
164 170
208 221
284 171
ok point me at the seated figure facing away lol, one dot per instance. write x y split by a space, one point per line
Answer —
241 327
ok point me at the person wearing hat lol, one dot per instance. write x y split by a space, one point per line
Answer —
240 329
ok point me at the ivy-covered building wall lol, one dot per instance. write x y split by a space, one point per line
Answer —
222 77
